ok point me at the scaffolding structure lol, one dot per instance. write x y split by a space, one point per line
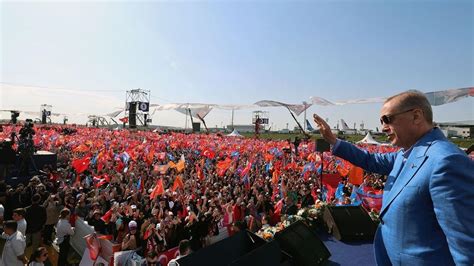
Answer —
137 107
45 111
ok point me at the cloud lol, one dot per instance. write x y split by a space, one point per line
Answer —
74 103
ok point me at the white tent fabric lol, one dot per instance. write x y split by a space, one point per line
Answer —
234 133
295 108
368 139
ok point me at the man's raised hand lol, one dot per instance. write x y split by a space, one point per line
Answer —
324 129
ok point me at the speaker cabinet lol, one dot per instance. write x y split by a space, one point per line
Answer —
349 223
303 245
132 115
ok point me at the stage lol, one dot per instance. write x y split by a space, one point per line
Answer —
348 253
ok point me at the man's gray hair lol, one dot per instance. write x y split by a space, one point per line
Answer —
413 99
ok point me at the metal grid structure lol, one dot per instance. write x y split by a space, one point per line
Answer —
142 100
45 113
263 115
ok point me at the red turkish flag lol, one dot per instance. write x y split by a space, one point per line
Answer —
200 173
158 190
80 165
93 245
107 216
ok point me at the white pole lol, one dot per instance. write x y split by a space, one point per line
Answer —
304 122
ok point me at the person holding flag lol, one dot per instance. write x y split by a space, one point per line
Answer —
428 196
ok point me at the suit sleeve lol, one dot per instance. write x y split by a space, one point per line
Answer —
381 163
451 188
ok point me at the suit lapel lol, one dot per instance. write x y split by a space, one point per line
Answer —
415 161
391 179
409 171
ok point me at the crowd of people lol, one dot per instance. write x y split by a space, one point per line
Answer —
150 191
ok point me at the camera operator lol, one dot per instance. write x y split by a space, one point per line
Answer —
26 146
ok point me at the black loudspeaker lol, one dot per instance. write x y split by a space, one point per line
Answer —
43 116
43 158
268 254
7 154
243 248
302 244
322 145
132 115
349 223
196 127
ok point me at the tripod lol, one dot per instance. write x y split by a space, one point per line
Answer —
26 150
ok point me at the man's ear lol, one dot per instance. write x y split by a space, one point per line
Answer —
418 116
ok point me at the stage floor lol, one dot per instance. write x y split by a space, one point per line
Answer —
348 253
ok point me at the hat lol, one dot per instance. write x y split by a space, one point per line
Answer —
133 206
132 225
35 179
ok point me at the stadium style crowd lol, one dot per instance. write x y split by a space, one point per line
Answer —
154 191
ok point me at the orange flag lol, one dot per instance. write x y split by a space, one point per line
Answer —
343 171
180 165
356 175
225 164
275 176
150 156
267 157
158 190
81 148
178 182
161 168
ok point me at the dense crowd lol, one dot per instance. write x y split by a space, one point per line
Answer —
149 191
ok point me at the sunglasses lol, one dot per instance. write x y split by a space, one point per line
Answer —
388 119
45 255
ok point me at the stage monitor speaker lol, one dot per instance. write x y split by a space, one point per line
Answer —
242 249
268 254
349 223
196 127
43 158
322 145
302 244
132 115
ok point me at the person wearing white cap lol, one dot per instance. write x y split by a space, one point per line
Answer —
131 240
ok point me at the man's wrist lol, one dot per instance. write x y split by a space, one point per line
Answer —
336 145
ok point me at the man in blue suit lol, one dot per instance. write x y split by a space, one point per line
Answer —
427 215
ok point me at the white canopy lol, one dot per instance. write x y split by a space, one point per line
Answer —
368 139
234 133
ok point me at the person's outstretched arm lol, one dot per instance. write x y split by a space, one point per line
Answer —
381 163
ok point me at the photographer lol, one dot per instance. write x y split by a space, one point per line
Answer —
26 146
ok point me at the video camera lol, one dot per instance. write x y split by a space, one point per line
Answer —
27 131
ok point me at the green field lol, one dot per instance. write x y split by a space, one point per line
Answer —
463 143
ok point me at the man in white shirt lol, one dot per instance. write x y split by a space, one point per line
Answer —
64 231
184 250
14 250
19 217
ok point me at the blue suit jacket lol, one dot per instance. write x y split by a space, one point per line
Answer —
427 215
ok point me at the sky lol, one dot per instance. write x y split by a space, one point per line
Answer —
81 57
